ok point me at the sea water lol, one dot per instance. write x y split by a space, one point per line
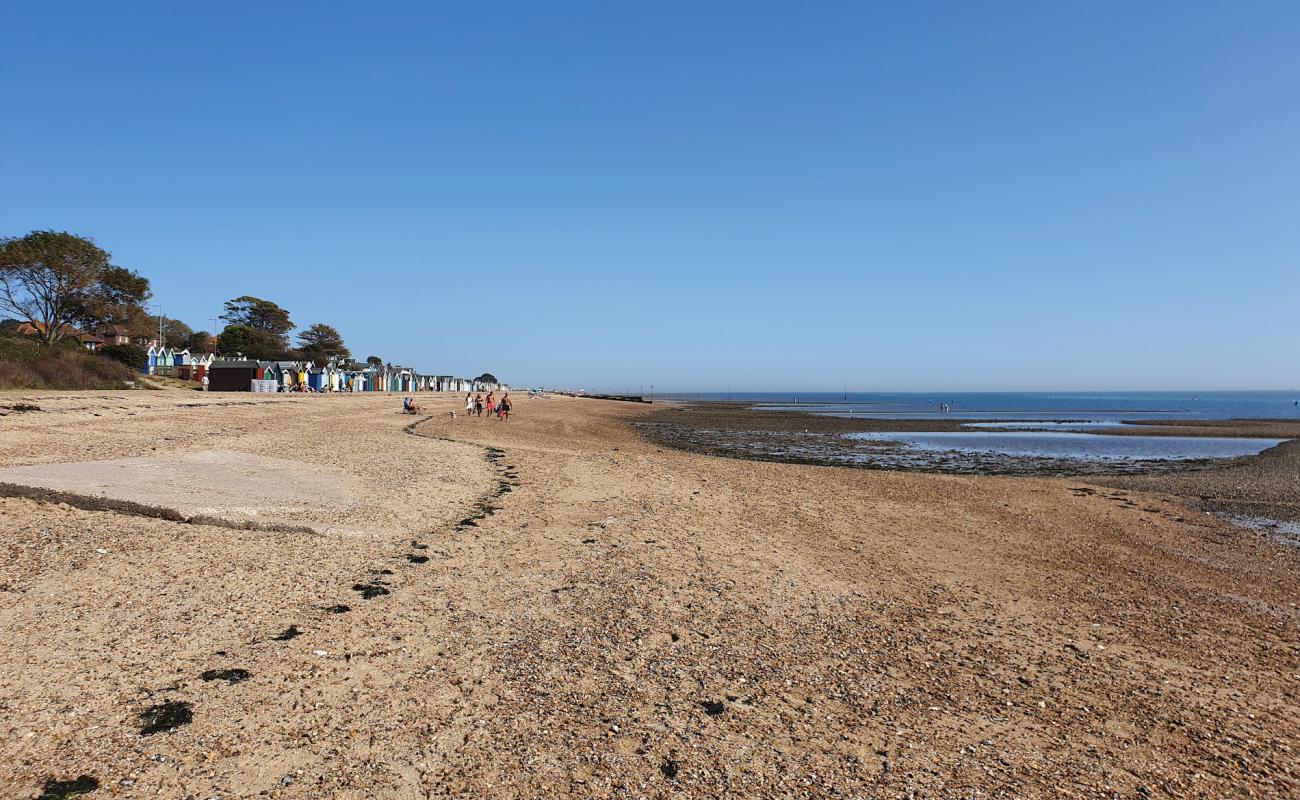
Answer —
1076 446
1040 406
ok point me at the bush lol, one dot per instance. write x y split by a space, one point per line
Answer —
27 365
127 354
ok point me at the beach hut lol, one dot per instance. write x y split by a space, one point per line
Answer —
231 375
268 371
316 378
198 366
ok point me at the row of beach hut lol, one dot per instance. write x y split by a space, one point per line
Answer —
243 375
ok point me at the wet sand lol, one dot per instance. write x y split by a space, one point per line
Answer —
569 609
1266 485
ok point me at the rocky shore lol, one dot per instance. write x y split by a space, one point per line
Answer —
1266 485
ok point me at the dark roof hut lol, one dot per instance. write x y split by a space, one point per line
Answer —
231 375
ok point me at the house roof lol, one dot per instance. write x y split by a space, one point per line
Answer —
29 328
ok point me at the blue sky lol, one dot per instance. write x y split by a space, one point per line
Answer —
758 195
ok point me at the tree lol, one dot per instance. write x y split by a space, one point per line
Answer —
374 361
199 342
260 315
251 342
487 377
321 342
119 299
176 333
55 280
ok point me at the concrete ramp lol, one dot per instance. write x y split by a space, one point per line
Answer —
219 486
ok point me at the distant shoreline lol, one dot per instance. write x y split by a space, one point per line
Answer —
1263 485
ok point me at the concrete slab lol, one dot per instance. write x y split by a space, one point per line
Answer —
237 488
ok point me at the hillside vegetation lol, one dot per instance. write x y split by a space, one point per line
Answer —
25 364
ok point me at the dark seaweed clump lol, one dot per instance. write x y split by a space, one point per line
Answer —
166 716
65 790
369 590
235 675
287 634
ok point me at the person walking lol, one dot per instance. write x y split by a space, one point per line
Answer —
478 404
469 405
505 407
491 405
205 381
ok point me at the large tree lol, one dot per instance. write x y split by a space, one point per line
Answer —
119 299
321 342
199 342
260 315
251 342
55 281
176 333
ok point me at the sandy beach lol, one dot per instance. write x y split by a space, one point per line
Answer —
558 606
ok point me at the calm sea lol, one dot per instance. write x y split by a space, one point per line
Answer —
1086 406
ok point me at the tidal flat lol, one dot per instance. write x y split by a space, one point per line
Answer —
570 608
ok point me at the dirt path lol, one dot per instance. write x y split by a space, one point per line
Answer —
599 616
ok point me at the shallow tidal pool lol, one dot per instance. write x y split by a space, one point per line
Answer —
1075 445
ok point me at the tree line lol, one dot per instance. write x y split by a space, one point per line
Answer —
62 284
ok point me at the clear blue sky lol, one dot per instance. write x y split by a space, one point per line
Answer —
763 195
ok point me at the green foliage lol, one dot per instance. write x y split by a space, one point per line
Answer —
262 317
374 361
199 342
251 342
26 364
17 348
321 342
128 354
119 298
176 333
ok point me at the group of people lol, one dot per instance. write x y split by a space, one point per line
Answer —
475 405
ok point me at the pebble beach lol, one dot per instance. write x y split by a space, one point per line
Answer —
558 606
